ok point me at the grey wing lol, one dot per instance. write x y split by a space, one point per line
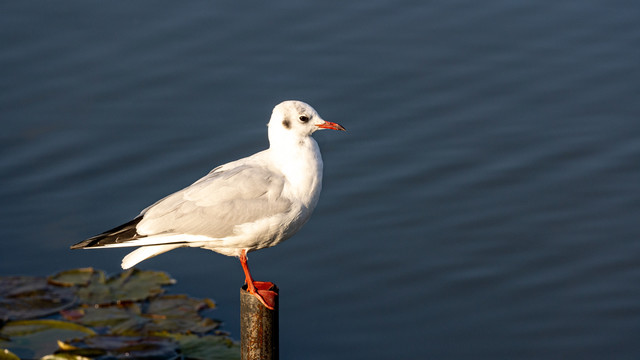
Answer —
214 205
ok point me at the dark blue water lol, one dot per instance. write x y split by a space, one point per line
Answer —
484 204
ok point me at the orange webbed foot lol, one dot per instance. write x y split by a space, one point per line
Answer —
264 292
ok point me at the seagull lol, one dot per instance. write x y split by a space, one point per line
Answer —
244 205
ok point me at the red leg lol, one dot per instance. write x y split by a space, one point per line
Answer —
260 289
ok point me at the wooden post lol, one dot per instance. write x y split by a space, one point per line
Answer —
258 328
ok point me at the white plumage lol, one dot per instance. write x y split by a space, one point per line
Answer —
241 206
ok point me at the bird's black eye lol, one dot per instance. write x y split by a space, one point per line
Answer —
304 118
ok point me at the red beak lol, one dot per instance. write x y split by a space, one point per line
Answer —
332 126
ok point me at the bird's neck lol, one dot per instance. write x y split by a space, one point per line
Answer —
300 162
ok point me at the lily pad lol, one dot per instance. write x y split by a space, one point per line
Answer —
207 347
122 347
180 314
8 355
64 356
128 310
108 316
28 327
167 313
28 297
36 338
131 285
74 277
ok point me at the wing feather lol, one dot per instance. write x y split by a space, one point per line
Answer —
217 204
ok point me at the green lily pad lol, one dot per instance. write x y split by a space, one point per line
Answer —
128 309
131 285
167 313
28 297
180 314
74 277
207 347
122 347
64 356
108 316
116 319
5 354
28 327
36 338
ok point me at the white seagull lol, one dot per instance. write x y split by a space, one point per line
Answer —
242 206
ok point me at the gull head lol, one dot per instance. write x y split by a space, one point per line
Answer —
297 119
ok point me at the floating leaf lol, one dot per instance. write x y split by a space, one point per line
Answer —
170 313
123 347
35 338
74 277
28 297
27 327
207 347
179 313
135 320
106 316
131 285
8 355
64 356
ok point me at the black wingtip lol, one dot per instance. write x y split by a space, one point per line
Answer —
80 245
120 234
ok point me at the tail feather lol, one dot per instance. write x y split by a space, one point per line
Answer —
146 252
123 233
